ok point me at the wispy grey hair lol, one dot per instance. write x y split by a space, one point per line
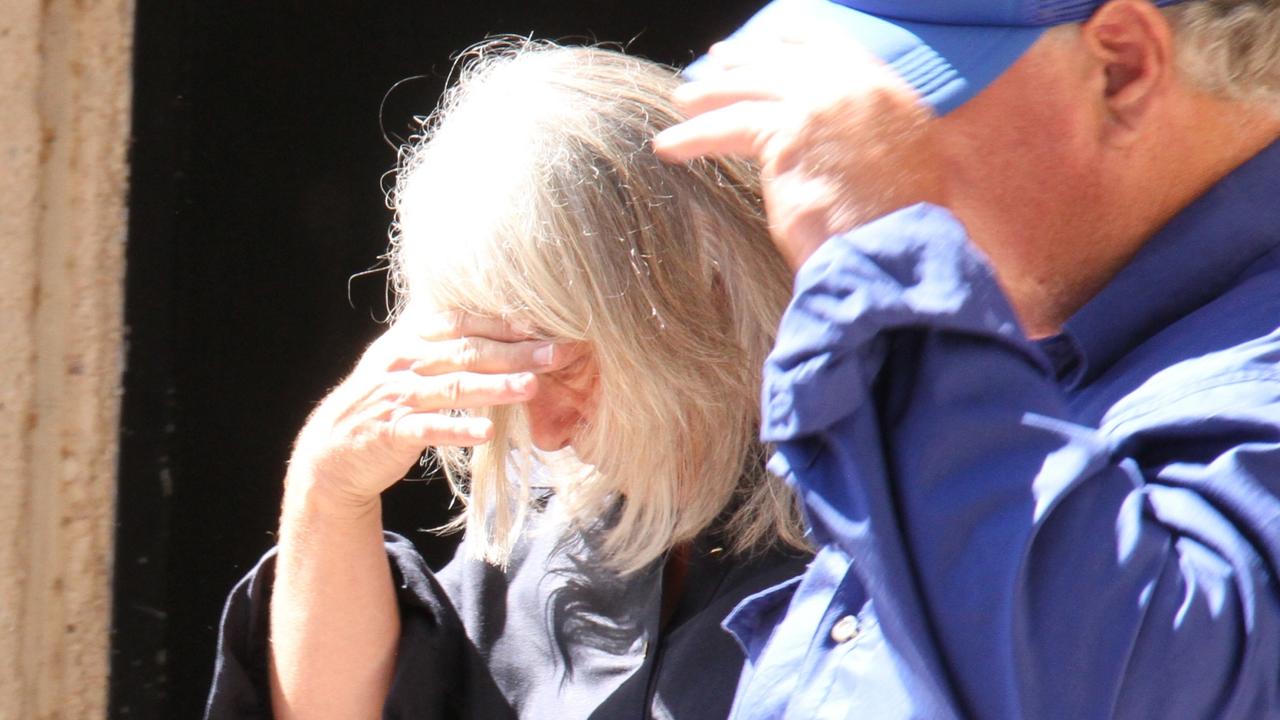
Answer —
1230 48
533 193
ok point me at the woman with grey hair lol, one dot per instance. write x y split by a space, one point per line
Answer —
590 322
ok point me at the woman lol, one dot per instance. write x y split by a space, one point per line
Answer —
590 322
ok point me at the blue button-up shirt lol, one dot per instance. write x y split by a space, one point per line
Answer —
1085 527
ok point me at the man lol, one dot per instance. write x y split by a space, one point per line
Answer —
1045 482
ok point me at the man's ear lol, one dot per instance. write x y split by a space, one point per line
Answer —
1132 45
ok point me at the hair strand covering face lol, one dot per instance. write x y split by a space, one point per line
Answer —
532 194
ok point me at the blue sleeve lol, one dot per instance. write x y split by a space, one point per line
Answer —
1033 566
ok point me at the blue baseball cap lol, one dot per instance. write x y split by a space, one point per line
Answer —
948 50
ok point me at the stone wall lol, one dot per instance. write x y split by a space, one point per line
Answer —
64 126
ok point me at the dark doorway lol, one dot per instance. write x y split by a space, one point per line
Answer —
256 196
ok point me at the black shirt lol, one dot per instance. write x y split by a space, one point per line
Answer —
555 635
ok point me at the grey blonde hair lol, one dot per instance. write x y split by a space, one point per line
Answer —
1230 48
532 194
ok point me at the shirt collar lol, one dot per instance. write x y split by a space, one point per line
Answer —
1200 254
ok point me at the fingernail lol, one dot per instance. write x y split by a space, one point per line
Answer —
661 141
521 383
682 93
545 355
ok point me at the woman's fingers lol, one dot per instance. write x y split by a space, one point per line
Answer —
365 434
418 430
430 325
477 355
462 390
438 343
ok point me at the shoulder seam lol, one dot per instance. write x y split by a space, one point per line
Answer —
1240 377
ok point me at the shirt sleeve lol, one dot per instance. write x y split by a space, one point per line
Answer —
1032 566
435 668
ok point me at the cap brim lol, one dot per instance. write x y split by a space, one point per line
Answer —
946 64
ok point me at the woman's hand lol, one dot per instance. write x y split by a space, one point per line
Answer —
334 617
370 430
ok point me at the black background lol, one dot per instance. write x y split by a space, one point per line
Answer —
257 154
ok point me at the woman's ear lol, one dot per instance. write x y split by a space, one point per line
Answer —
1132 45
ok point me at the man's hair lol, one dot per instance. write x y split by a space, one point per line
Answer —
1230 48
533 194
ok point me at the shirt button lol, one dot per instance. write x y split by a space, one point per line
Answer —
845 629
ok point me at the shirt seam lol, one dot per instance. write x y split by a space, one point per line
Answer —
1156 405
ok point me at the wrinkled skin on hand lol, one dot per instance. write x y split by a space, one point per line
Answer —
367 433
